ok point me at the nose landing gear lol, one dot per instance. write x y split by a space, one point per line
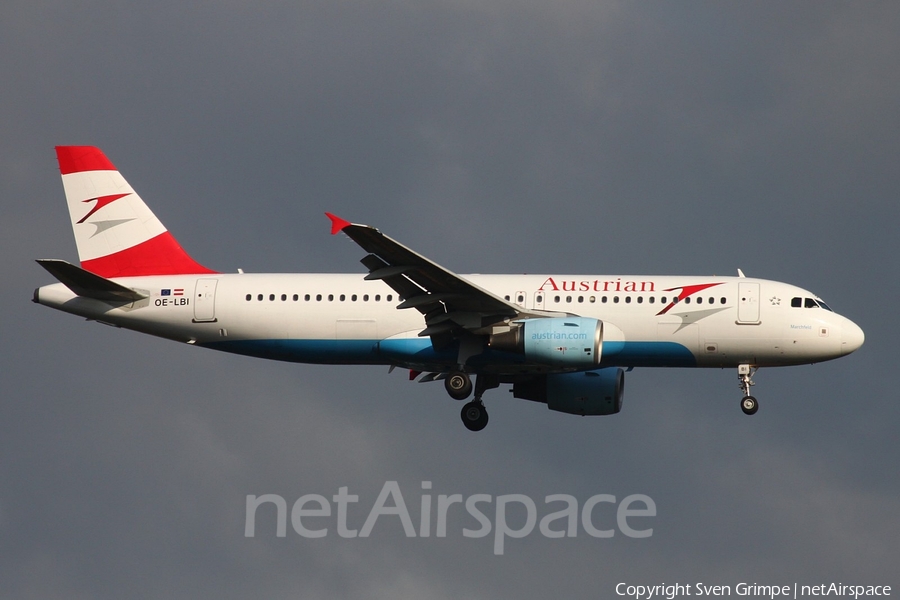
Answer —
748 403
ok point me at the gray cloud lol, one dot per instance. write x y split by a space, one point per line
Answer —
498 137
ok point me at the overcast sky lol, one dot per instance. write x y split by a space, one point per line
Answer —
495 136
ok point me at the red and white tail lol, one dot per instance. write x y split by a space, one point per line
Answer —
116 234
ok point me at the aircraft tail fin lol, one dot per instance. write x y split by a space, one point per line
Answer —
116 233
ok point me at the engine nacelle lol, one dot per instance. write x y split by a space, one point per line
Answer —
559 341
597 392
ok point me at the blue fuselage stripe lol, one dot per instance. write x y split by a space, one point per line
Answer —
420 351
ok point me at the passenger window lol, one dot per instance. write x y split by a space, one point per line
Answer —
283 297
377 297
343 297
539 298
568 298
604 299
506 297
581 299
271 297
640 299
556 299
249 296
627 299
296 297
318 297
687 300
615 299
331 297
699 300
651 299
259 297
593 299
390 297
353 297
723 300
306 297
365 297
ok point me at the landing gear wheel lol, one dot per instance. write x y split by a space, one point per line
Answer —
458 385
745 374
474 416
749 405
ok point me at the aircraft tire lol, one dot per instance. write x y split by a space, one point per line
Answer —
474 416
458 385
749 405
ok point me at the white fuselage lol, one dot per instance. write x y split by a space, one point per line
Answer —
344 319
562 340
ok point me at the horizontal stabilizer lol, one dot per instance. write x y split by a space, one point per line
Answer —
86 284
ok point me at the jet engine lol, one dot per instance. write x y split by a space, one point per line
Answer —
597 392
570 341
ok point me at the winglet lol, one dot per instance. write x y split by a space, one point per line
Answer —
337 223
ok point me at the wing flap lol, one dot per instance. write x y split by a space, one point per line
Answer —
385 272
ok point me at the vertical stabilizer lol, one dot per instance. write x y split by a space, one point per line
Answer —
116 234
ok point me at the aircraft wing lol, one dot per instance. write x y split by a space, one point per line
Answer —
450 304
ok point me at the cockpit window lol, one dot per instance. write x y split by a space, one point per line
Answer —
809 303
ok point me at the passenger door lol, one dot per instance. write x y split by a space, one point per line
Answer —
748 303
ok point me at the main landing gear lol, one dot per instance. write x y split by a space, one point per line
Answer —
748 403
474 416
459 386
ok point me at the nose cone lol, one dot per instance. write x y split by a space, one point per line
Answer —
852 337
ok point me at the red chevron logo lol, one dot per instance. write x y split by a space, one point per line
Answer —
686 291
101 202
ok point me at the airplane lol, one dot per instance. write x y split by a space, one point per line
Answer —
562 340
